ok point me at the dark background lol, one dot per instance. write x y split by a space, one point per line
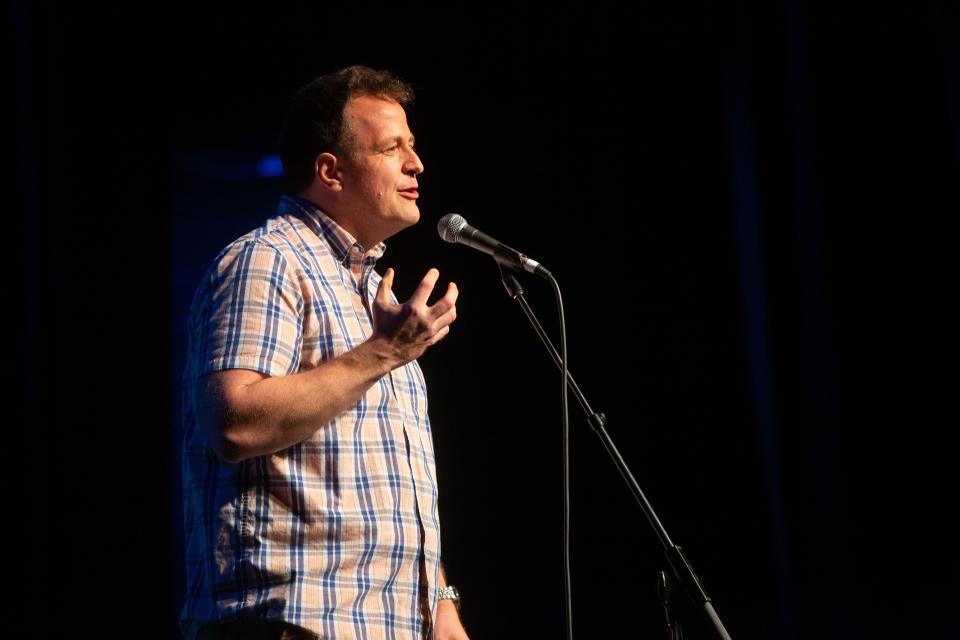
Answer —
746 205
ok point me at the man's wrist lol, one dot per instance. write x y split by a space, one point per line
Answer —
383 354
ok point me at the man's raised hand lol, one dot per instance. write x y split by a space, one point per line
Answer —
411 327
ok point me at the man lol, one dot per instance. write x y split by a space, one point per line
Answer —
309 483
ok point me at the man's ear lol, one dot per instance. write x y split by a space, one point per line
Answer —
327 171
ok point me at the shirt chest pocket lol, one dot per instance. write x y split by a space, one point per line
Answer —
333 327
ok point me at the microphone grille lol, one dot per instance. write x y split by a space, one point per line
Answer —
450 226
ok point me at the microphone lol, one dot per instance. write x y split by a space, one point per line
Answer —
454 228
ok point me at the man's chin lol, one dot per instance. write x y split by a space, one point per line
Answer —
412 216
406 218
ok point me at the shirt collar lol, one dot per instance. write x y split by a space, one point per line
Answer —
345 247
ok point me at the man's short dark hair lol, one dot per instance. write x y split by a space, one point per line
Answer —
314 121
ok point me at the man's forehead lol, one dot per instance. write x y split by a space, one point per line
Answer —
375 111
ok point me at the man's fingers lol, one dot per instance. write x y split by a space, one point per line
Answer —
386 286
443 313
439 335
446 319
447 302
425 288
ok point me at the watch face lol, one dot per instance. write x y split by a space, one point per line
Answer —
450 593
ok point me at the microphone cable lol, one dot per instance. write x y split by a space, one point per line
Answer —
454 228
567 583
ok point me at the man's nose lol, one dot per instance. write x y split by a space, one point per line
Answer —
413 166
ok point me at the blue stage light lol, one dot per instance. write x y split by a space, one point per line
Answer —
270 167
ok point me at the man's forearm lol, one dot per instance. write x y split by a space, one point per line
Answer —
247 414
271 414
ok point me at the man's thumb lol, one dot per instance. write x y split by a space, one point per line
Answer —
386 287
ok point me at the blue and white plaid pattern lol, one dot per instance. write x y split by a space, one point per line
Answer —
340 533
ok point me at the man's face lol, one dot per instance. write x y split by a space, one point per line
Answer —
380 175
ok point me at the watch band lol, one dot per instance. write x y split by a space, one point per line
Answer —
449 592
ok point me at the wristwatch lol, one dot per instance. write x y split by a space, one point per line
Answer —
449 592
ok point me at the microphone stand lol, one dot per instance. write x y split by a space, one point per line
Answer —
681 568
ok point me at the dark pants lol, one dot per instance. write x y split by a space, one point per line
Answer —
254 630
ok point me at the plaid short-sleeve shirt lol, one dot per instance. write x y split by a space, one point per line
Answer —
338 534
